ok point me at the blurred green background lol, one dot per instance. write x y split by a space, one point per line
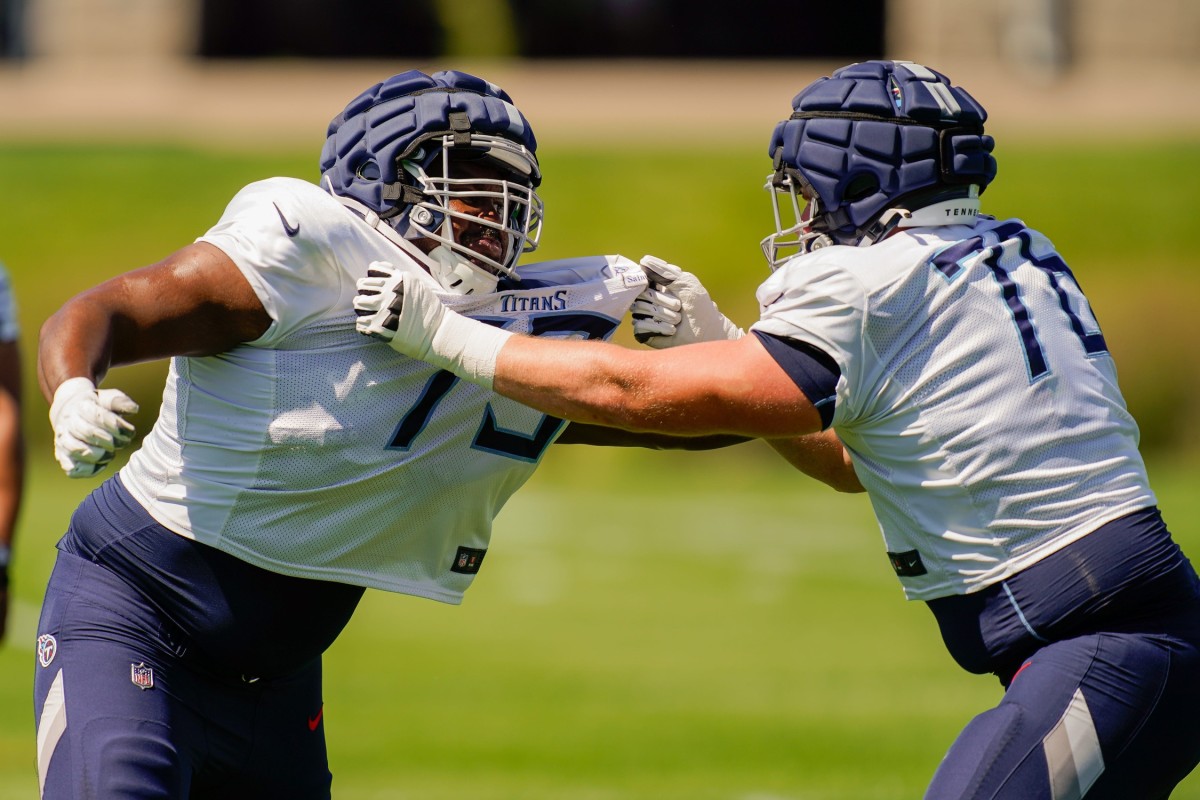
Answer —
649 625
1122 216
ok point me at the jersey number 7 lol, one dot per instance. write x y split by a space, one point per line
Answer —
1070 297
491 438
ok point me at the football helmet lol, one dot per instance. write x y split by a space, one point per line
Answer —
875 146
390 156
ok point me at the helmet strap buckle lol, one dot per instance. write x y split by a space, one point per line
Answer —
460 128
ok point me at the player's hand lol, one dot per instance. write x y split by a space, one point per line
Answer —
398 308
395 309
89 426
676 309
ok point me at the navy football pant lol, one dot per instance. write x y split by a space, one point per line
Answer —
1099 649
1097 713
167 669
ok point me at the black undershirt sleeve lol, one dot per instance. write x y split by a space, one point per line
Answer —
810 367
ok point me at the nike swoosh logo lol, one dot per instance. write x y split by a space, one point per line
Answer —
313 722
288 228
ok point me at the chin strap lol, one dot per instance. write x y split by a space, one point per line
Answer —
457 274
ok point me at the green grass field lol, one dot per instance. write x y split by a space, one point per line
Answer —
667 627
648 625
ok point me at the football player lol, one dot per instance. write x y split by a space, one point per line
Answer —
293 462
975 399
12 443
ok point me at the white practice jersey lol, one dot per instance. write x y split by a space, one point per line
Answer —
318 452
977 397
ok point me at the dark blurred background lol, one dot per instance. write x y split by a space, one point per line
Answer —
1030 39
547 29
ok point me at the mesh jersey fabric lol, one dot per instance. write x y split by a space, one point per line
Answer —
317 452
977 399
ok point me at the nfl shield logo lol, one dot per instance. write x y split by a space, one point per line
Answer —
46 648
141 675
468 559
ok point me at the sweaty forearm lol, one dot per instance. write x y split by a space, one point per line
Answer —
591 382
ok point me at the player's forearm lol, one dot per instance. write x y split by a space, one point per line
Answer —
12 464
12 473
717 387
12 441
821 456
590 382
74 342
698 390
602 436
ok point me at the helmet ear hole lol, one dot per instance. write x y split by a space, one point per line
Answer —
861 185
369 171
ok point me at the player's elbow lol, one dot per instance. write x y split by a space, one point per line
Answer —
846 484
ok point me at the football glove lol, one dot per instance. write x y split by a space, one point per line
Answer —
89 426
396 307
676 309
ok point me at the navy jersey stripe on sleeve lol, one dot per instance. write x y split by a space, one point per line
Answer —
810 367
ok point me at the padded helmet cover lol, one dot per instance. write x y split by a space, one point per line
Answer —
392 121
875 134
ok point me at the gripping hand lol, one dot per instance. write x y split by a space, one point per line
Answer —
396 307
676 309
89 426
383 298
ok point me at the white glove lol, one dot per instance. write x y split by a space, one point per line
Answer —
89 426
676 309
396 307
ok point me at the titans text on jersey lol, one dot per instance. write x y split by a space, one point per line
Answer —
555 301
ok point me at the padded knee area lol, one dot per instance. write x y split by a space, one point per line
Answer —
977 752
